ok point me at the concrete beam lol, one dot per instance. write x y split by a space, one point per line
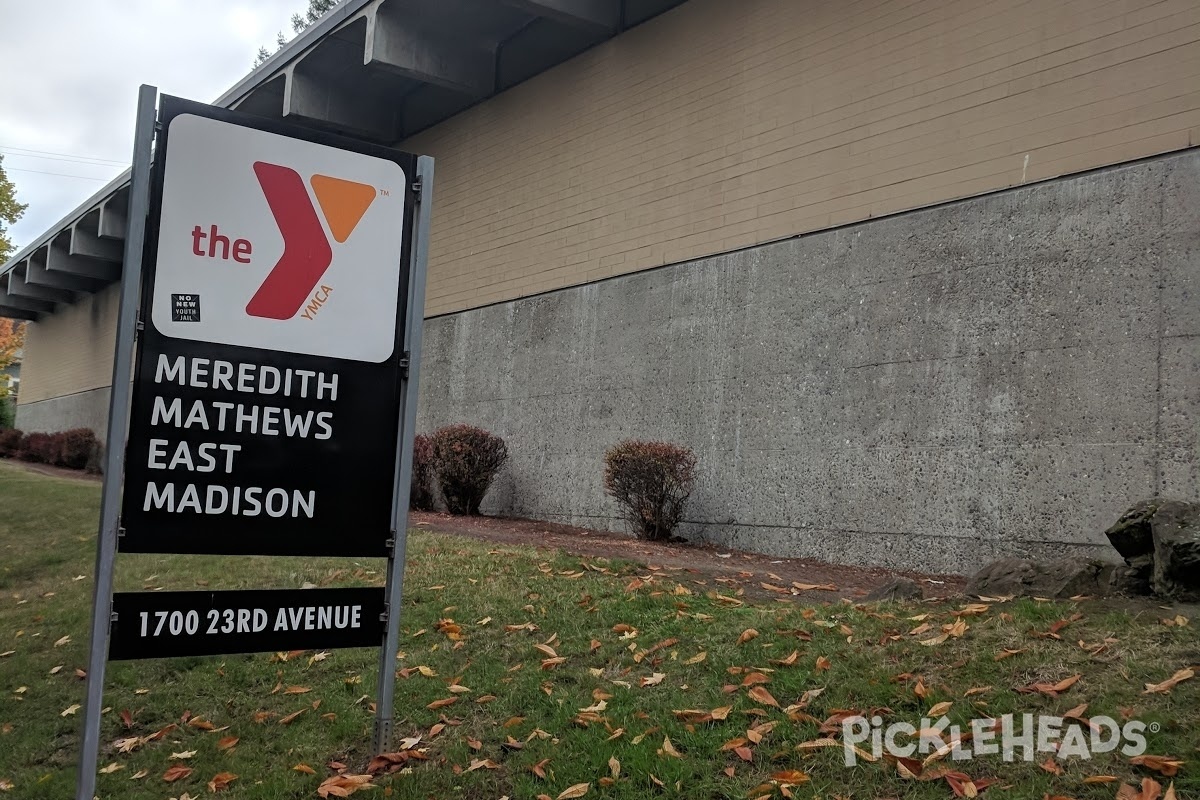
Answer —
36 273
59 258
87 244
113 213
397 46
18 286
26 303
601 16
344 107
18 313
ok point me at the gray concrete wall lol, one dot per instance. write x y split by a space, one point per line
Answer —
997 376
80 410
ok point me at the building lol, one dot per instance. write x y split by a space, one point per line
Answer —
919 280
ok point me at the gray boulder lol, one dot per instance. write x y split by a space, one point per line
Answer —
1133 578
1132 534
1176 534
897 589
1065 577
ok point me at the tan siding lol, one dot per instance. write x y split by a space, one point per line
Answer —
725 124
71 350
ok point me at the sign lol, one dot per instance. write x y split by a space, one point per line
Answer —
160 624
270 364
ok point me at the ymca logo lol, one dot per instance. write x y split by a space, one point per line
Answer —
306 251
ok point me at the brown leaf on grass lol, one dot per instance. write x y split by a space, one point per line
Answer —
1166 686
111 768
696 659
343 785
920 690
747 635
1006 653
201 724
1170 793
755 677
551 663
549 651
744 753
721 712
1050 689
297 690
227 742
1100 779
614 767
482 763
1051 766
938 709
822 664
789 661
436 704
759 694
653 680
669 749
815 587
790 776
290 718
305 768
126 719
1164 765
572 792
539 768
221 781
176 772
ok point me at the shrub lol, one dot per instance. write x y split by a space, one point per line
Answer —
466 460
10 442
75 448
8 413
39 448
420 495
651 481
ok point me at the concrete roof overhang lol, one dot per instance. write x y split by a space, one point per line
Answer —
378 70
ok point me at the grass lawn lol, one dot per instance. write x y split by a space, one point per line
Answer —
525 673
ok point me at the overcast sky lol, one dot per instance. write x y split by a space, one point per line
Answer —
69 74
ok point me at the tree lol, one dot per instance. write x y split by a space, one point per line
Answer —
316 10
12 339
10 212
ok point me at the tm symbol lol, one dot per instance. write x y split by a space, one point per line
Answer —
384 193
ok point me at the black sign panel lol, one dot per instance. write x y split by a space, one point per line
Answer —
165 624
269 369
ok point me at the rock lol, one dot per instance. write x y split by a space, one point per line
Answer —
1131 534
1176 531
1134 578
897 589
1065 577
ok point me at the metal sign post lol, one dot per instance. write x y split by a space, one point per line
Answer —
114 445
408 425
280 273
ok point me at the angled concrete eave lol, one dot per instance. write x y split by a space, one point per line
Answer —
378 70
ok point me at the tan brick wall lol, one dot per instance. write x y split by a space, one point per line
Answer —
726 123
71 350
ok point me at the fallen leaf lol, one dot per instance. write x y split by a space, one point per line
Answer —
62 641
175 772
482 763
940 708
290 718
1051 766
1166 686
572 792
654 679
669 749
69 710
221 781
305 768
1006 653
759 694
1101 779
614 767
343 785
436 704
1162 764
696 659
747 635
297 690
791 777
184 754
111 768
227 742
141 773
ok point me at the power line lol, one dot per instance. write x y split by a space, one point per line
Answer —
25 151
59 174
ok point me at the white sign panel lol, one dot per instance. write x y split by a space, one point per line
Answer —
278 243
